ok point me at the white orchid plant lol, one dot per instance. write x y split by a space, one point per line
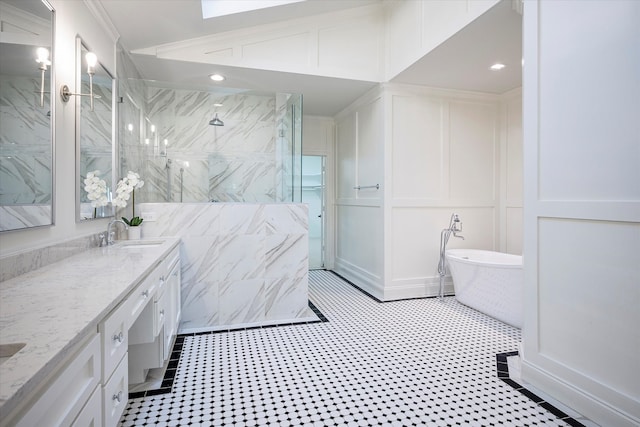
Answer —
96 189
126 189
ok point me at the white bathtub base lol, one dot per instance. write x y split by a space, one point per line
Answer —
490 282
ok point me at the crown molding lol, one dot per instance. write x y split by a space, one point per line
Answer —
101 15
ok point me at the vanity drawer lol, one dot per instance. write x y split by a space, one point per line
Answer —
161 311
115 394
140 297
63 399
114 331
91 414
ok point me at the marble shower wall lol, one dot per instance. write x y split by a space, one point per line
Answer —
96 148
165 136
242 263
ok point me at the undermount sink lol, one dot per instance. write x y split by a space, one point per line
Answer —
8 350
138 244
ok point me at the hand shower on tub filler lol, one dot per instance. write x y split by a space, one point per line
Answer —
455 227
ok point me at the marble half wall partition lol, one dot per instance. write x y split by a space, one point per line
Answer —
242 263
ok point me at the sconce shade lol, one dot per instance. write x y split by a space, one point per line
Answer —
42 57
92 60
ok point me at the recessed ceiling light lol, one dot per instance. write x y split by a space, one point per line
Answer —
497 66
217 77
217 105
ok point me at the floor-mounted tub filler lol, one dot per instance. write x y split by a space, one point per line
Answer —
490 282
455 226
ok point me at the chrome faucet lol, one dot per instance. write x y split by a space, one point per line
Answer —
111 233
455 226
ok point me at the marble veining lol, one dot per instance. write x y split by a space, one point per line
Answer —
25 154
243 161
54 308
25 261
242 263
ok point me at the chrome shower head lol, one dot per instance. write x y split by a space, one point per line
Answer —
216 121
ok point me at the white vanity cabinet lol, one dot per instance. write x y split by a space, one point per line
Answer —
66 394
53 382
152 334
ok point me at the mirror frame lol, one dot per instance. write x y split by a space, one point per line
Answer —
80 46
52 134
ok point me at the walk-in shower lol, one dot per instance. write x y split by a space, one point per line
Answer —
455 226
254 155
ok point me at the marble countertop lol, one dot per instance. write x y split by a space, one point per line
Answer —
54 308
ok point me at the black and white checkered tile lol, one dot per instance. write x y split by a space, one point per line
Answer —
404 363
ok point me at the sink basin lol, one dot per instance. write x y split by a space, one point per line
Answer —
8 350
138 244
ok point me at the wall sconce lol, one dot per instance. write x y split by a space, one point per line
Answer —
92 61
42 58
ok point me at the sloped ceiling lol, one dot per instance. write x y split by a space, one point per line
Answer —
459 63
462 62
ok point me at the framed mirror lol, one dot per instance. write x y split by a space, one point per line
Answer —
26 114
95 154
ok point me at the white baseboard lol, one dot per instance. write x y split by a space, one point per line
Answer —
419 287
363 279
588 405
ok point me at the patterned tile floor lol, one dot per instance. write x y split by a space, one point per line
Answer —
406 363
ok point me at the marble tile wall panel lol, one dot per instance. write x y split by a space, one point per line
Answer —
237 162
14 265
241 262
233 179
25 176
14 217
192 180
286 297
25 143
286 218
241 257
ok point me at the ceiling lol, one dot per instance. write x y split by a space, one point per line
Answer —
459 63
462 62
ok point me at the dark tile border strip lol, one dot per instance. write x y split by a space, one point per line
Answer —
176 352
502 368
374 298
317 312
355 286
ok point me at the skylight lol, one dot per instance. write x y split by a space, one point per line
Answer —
215 8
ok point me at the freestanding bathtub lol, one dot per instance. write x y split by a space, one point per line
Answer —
490 282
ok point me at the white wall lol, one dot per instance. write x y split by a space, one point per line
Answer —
444 148
71 19
434 152
312 45
582 206
359 213
511 172
415 27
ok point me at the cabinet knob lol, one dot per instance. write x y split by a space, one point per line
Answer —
119 337
117 397
145 293
162 312
162 278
